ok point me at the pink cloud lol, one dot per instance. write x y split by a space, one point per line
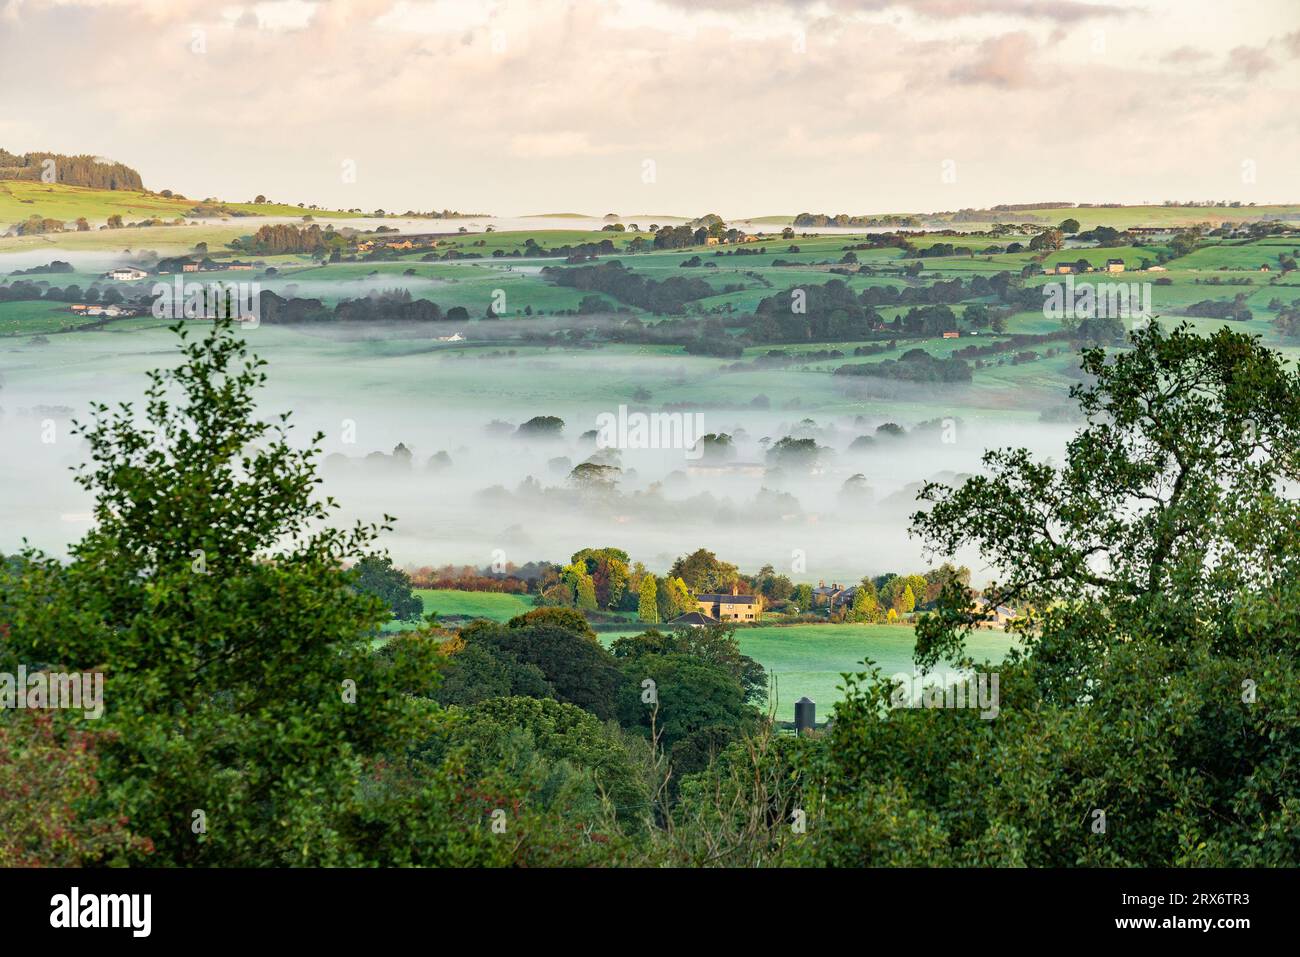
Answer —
1005 62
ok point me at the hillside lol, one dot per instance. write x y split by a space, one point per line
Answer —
82 170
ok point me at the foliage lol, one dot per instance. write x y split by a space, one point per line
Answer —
375 575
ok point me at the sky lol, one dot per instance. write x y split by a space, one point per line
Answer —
666 107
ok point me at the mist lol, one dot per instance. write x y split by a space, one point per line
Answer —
473 490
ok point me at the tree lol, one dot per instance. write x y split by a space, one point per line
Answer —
477 673
802 597
703 572
609 573
376 576
1181 433
905 601
1069 226
210 591
45 770
580 670
715 644
585 593
693 698
558 732
674 599
866 606
648 607
1159 571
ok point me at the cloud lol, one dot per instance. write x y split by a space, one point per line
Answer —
1250 62
737 117
1059 11
1005 62
1185 54
557 143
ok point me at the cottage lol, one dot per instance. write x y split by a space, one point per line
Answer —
1063 268
1114 265
733 607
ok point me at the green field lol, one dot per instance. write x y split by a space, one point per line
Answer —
474 604
808 660
401 366
20 199
805 659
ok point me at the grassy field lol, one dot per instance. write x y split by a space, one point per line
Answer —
475 604
35 318
20 199
496 373
808 660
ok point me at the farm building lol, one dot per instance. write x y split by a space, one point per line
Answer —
126 274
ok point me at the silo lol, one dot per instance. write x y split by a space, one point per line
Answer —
805 715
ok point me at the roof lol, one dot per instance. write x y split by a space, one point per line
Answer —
728 599
693 618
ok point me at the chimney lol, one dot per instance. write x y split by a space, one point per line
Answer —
735 589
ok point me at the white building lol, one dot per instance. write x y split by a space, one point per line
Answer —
127 274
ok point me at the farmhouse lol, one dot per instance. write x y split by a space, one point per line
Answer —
1063 268
833 596
1114 265
733 607
126 274
998 615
